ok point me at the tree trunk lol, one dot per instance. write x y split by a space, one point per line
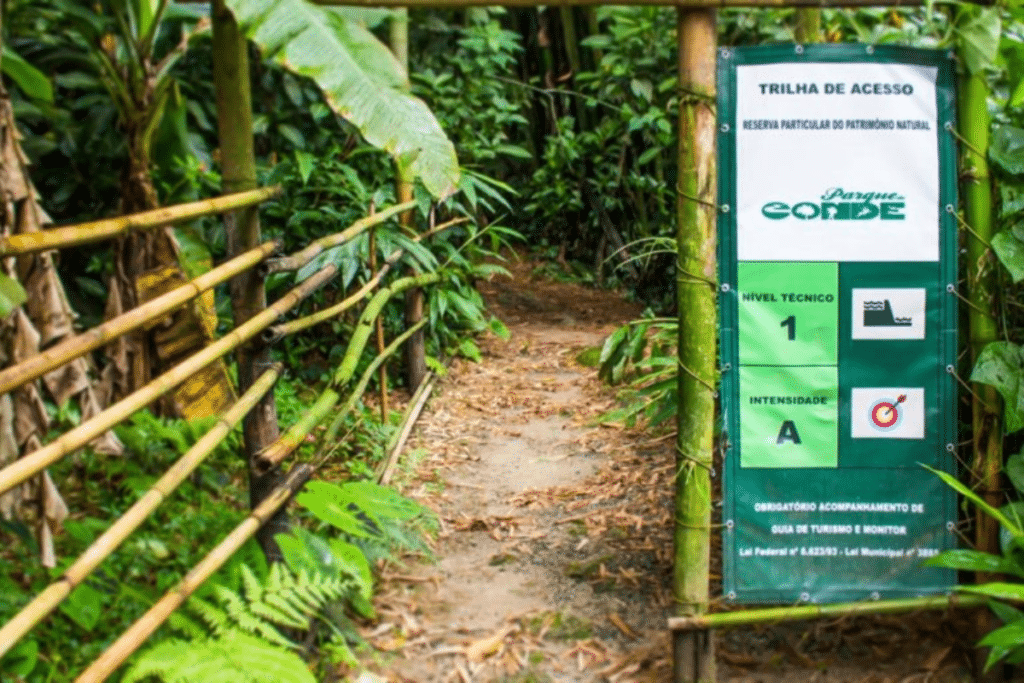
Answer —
248 297
696 268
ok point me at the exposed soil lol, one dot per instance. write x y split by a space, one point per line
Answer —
554 555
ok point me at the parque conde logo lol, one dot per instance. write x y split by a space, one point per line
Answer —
836 204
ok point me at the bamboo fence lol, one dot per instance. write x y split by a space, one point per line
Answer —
291 439
113 537
144 627
81 344
33 463
97 231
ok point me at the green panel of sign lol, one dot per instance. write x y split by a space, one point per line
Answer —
837 325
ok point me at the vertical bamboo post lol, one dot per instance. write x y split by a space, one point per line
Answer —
808 25
696 274
415 348
248 297
982 285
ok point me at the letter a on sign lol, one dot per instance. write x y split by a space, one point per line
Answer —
788 433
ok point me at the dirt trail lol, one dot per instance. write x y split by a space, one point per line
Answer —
554 555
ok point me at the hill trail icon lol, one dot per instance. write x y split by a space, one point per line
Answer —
879 314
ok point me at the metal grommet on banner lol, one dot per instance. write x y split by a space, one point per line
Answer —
725 287
951 54
950 369
875 595
948 125
729 524
724 208
950 526
726 53
724 128
805 597
950 288
727 367
731 595
799 49
870 49
950 448
950 208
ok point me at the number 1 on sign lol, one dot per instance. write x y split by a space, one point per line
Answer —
790 323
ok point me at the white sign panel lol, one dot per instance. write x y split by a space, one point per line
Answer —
888 313
887 413
837 162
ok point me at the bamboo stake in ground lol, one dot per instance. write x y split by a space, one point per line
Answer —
97 231
79 345
696 267
142 629
44 603
301 258
771 615
394 447
379 324
38 460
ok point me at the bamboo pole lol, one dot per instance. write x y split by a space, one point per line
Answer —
79 345
770 615
982 295
231 80
693 651
144 627
292 439
412 413
107 228
33 463
314 249
379 325
44 603
300 324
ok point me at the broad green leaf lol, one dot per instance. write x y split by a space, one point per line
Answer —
1017 96
1000 365
1013 592
361 81
1010 251
967 560
1007 148
589 357
979 38
1015 471
31 80
305 161
1006 613
12 295
966 492
21 659
83 606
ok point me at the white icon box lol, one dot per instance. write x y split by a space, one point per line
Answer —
887 413
889 313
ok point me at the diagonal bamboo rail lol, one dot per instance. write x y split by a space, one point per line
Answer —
299 324
288 442
291 439
79 345
45 602
35 462
97 231
314 249
701 622
144 627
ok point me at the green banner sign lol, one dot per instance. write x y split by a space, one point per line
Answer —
837 255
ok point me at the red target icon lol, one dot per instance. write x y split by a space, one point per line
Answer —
886 414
